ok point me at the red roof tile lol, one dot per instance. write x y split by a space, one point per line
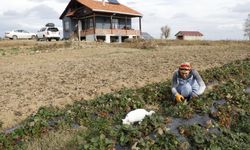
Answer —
109 7
97 6
189 33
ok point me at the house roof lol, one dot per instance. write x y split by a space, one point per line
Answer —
70 13
97 6
188 33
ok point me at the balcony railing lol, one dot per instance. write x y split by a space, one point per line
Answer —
121 32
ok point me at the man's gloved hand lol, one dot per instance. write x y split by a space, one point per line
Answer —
179 97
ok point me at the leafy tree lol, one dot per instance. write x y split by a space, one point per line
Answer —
165 32
247 27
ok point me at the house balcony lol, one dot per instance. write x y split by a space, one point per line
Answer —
117 32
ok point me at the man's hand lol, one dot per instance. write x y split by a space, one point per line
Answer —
179 97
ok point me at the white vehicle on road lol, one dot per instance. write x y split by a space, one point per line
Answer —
48 33
19 34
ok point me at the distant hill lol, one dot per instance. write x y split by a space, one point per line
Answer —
146 36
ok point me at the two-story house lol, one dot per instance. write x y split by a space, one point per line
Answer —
93 20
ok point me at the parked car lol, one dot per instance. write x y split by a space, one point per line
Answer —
48 32
19 34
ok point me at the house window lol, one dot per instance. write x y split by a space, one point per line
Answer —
115 23
91 23
66 25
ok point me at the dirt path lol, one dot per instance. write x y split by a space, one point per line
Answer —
61 77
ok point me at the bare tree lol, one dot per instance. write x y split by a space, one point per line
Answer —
247 27
165 32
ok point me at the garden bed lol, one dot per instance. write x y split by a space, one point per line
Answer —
226 106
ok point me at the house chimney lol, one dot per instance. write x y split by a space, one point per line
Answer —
103 2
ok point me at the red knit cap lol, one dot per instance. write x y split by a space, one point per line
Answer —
186 66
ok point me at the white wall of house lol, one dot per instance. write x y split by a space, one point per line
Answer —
90 37
107 39
131 36
193 38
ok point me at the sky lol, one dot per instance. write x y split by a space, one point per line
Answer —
216 19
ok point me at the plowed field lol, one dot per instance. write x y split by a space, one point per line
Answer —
32 77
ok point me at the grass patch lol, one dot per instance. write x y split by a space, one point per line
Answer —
153 44
2 52
1 124
53 140
30 46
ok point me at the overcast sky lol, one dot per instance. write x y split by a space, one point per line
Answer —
216 19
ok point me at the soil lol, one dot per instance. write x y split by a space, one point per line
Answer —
61 76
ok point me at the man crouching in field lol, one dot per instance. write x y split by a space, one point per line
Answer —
187 83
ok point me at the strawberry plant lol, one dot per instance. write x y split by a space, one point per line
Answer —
104 130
